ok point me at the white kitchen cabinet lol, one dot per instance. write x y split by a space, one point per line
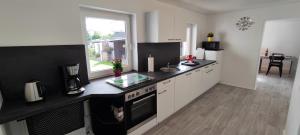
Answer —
164 26
197 83
2 130
165 99
180 27
183 90
209 78
217 56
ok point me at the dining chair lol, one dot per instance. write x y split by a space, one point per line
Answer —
276 59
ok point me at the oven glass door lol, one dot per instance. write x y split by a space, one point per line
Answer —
141 109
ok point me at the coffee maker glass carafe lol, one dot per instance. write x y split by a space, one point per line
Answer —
72 79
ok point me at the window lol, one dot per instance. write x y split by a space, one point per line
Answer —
107 36
186 46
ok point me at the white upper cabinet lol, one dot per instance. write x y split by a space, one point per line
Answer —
165 26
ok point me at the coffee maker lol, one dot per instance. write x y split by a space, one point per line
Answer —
72 79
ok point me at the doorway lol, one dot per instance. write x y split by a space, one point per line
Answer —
279 37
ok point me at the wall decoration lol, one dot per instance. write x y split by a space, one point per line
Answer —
244 23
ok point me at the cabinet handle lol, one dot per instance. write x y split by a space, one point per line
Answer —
162 92
166 82
206 67
198 70
188 74
210 71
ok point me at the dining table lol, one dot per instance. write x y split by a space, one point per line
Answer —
286 58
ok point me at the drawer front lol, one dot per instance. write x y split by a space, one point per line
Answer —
207 68
166 83
198 70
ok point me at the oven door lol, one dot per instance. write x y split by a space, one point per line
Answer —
140 109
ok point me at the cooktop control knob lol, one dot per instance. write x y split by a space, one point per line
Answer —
137 93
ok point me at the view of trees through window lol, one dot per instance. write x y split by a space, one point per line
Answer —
106 40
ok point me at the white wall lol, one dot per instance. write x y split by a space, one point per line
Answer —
39 22
140 7
57 22
242 48
282 36
293 120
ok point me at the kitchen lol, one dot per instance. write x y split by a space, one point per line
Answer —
45 51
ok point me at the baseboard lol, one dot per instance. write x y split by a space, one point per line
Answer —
224 83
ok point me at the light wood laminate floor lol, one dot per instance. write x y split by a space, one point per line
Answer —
228 110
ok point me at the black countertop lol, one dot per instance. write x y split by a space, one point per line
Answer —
18 110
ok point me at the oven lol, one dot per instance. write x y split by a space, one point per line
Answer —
140 107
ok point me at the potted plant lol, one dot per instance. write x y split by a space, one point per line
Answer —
117 67
210 37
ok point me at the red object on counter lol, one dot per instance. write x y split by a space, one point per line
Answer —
189 58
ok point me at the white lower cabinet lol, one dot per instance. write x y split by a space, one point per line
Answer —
207 82
197 83
165 99
217 56
183 90
2 130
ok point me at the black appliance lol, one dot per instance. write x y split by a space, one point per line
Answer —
211 45
128 80
140 107
72 80
60 121
163 53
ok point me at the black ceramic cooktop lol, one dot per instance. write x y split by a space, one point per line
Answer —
129 80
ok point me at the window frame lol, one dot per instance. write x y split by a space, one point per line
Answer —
191 40
103 14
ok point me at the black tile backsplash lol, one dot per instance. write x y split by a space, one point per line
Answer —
24 63
162 53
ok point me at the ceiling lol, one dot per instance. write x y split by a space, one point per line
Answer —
220 6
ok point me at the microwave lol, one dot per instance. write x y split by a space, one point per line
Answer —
211 45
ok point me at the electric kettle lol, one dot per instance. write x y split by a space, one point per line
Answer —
34 91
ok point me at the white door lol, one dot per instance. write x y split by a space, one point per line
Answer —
107 36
